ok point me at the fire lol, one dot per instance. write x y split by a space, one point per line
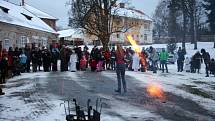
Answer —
134 44
155 90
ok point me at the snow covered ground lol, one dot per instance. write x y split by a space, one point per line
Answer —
37 96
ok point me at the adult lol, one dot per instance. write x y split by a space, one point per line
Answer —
154 57
206 58
28 62
163 60
64 57
197 58
10 61
34 58
55 54
113 59
107 59
143 61
180 61
46 60
72 61
120 68
3 68
212 66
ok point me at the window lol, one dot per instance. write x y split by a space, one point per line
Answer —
44 41
146 26
141 36
27 16
23 41
7 43
4 9
145 37
137 36
117 35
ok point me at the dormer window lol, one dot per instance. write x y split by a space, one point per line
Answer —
27 16
4 9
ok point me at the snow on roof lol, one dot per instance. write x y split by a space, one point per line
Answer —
132 13
74 33
38 12
17 15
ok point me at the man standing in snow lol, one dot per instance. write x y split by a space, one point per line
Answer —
163 59
180 62
206 57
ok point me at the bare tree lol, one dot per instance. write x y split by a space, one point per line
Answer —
97 18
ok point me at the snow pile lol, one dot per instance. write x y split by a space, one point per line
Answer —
131 13
73 33
38 13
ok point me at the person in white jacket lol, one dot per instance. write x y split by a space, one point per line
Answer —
135 62
187 64
72 61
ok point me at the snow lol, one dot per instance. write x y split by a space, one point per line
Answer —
38 12
119 110
131 13
73 33
15 17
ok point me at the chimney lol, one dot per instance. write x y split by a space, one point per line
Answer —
122 5
23 2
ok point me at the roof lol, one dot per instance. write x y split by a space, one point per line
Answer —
38 12
73 33
131 13
17 15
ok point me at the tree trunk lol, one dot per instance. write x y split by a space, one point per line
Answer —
184 25
105 42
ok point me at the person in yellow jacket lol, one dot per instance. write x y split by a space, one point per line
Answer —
163 59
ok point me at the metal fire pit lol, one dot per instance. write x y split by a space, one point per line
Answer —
80 114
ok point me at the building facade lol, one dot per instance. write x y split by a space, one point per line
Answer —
134 23
19 27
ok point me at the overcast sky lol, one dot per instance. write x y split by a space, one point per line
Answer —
58 9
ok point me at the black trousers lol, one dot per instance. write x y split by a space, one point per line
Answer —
3 75
180 65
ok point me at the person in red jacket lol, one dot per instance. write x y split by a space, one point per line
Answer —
120 68
107 59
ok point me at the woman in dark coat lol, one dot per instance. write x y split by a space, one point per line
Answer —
3 68
197 61
10 61
46 60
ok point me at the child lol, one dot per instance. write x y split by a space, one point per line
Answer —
187 64
23 60
72 61
83 63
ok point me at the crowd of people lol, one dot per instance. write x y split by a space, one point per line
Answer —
24 60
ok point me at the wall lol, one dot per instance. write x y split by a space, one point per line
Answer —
17 36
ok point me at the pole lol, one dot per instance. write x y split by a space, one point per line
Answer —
214 40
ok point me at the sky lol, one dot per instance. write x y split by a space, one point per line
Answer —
58 8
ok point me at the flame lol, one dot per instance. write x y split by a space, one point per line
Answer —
137 50
134 44
153 89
